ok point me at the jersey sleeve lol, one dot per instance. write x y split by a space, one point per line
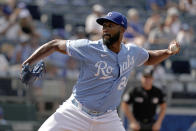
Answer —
141 57
77 48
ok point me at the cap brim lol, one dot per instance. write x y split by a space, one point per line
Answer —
102 20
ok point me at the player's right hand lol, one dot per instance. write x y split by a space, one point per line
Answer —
135 125
174 47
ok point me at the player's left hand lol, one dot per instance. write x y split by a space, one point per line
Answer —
174 47
30 74
156 126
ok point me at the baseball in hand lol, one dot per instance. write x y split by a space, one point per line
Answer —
174 47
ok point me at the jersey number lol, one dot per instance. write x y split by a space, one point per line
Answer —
123 83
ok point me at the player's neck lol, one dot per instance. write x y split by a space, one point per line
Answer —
115 47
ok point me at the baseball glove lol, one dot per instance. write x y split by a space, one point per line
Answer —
30 74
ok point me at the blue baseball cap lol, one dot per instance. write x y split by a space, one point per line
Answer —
115 17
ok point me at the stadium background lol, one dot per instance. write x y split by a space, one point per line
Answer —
34 22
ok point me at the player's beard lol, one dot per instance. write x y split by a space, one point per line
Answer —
111 40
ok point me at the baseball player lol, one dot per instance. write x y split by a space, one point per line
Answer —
105 66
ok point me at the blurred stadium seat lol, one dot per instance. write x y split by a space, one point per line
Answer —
181 66
19 112
35 12
6 88
57 21
6 128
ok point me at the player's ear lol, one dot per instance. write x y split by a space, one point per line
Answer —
122 29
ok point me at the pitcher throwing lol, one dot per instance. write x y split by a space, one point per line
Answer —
105 68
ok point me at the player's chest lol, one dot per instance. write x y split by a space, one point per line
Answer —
111 66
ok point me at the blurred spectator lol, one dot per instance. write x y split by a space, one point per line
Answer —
8 25
159 72
57 59
79 2
159 35
16 22
157 5
188 6
58 2
4 65
185 35
11 3
21 51
172 22
135 29
91 27
60 62
27 28
7 50
52 70
59 34
159 75
2 120
141 41
152 22
79 33
72 70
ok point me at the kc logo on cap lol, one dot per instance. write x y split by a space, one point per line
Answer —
109 14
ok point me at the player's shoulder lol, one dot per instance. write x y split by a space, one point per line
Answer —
83 40
78 41
89 43
130 46
95 43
